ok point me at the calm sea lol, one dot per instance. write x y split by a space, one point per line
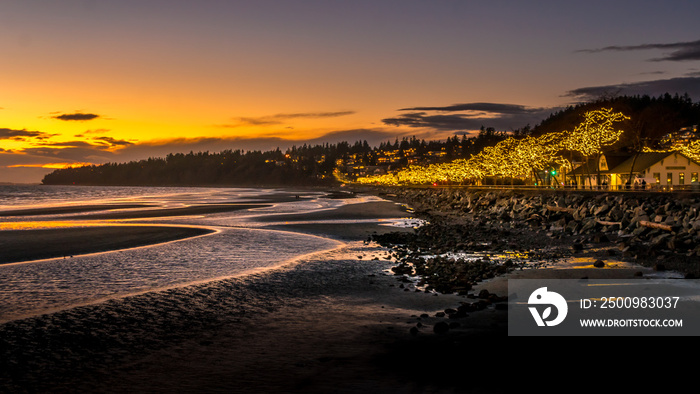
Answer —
238 247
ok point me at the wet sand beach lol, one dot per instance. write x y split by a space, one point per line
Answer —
348 222
27 245
324 322
333 321
165 212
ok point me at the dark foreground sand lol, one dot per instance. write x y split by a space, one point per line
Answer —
332 322
26 245
69 209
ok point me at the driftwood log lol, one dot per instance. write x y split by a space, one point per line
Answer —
606 223
560 209
655 225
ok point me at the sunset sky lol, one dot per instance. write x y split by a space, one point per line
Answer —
94 81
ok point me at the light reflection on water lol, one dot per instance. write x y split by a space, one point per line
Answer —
39 287
32 288
36 225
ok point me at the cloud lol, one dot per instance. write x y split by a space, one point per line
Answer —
682 85
23 167
77 153
442 122
112 141
373 137
680 51
13 134
97 131
97 150
78 116
481 107
271 120
71 144
473 116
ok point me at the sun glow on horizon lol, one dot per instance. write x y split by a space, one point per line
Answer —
51 165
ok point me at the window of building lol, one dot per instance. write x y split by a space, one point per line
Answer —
681 178
693 177
669 178
657 177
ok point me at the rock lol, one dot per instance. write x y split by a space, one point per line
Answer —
601 210
599 264
600 238
441 327
659 241
517 220
413 331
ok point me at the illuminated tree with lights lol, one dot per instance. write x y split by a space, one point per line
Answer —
518 157
690 150
595 132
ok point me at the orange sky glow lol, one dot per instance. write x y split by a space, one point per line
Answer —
93 81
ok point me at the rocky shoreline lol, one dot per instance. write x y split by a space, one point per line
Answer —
535 227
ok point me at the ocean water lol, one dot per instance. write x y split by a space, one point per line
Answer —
32 196
238 247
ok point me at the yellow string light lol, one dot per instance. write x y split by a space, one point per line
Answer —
515 157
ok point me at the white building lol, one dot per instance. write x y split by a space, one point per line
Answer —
656 171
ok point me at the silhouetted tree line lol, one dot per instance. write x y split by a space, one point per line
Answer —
650 119
230 167
299 165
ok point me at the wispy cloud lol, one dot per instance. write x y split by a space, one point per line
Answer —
653 73
277 119
469 116
77 116
72 153
112 142
95 150
24 133
683 85
680 51
481 107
